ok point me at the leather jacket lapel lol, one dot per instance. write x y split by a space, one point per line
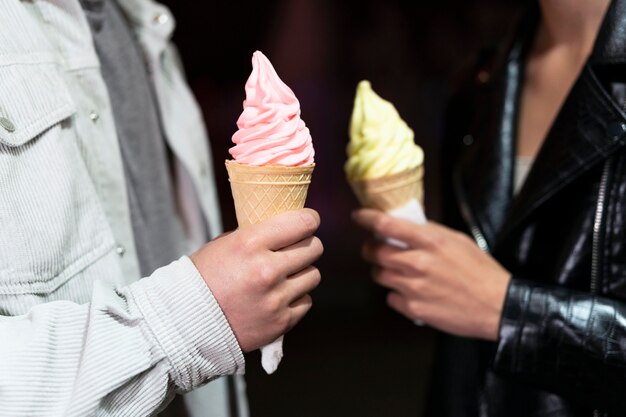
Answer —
589 128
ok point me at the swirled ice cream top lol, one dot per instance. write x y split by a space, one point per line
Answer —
381 143
271 131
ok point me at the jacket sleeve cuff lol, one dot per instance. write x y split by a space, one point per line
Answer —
534 317
564 341
188 324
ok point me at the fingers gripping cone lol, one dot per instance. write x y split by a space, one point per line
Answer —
260 192
400 195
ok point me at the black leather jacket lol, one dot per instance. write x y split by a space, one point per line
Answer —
562 344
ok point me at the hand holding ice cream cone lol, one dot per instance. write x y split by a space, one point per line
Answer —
385 167
273 159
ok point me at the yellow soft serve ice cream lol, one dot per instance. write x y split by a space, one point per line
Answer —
381 143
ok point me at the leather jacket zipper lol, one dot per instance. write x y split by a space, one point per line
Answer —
597 227
597 230
466 213
476 233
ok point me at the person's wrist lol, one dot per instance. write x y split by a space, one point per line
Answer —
491 329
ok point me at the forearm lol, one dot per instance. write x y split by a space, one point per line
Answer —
567 342
125 351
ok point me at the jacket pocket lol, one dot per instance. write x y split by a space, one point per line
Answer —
52 225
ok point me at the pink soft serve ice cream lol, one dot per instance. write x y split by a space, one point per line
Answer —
271 131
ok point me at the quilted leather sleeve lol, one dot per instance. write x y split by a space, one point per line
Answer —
571 343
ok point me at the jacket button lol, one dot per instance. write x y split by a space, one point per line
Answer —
616 130
7 124
120 250
160 18
468 140
483 76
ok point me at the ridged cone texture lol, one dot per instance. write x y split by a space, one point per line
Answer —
263 192
392 191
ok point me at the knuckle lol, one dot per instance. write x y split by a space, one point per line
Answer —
382 276
318 246
419 288
307 300
382 224
436 240
421 262
283 321
250 243
316 276
371 253
415 309
267 274
393 300
308 220
274 305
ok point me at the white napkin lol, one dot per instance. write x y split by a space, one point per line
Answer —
413 212
271 355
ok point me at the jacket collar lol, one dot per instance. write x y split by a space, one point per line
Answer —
589 128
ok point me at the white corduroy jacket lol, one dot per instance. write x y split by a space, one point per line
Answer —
80 333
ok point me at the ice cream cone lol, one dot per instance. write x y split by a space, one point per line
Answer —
260 192
391 191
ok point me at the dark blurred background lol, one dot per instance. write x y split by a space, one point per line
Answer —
351 356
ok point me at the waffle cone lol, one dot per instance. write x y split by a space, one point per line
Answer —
262 192
391 191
